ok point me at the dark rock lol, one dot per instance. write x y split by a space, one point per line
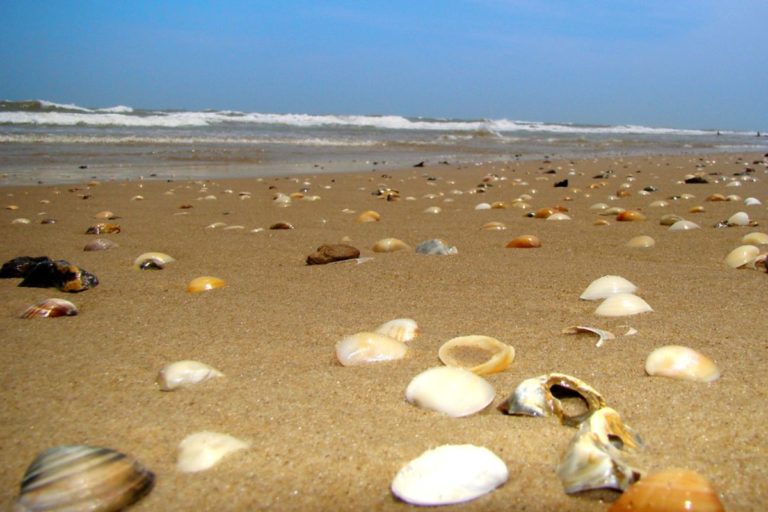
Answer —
59 274
420 164
562 183
696 180
21 266
330 253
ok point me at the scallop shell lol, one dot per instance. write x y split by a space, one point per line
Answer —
100 244
449 474
738 219
369 347
152 261
524 242
50 308
203 450
755 238
390 245
182 374
369 216
742 256
541 396
683 225
602 335
102 228
671 489
606 286
401 329
681 362
76 477
453 391
205 283
437 247
497 356
623 304
641 242
630 216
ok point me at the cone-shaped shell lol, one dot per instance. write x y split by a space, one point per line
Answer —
641 242
669 490
496 356
152 261
369 347
606 286
524 242
453 391
369 216
742 256
205 283
390 245
681 362
203 450
76 477
50 308
623 304
449 474
182 374
401 329
629 216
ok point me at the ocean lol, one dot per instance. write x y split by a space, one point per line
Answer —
42 141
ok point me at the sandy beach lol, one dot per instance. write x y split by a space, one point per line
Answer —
328 437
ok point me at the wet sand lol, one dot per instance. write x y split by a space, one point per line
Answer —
327 437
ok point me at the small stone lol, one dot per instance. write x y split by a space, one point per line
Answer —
330 253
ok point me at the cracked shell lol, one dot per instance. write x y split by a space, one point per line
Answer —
495 355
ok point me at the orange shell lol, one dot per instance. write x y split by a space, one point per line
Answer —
696 209
204 283
630 215
524 242
369 216
543 213
667 491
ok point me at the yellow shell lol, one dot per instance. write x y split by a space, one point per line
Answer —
497 356
630 215
669 490
755 238
681 362
742 256
369 347
390 245
205 283
369 216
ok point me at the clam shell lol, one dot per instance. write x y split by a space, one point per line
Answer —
755 238
100 244
681 362
752 201
76 477
369 216
623 304
671 489
494 226
390 245
683 225
152 261
606 286
602 335
401 329
483 206
433 210
102 228
496 356
437 247
524 242
449 474
742 256
641 242
203 450
182 374
205 283
559 216
453 391
369 347
738 219
670 219
50 308
630 215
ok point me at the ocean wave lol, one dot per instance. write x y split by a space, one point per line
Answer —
139 140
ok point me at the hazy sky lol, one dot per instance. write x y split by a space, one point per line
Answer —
676 63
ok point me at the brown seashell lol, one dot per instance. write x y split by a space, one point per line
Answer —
496 356
50 308
102 228
623 193
333 252
205 283
524 242
543 213
629 216
281 225
494 226
669 490
100 244
715 197
185 206
369 216
390 245
106 214
696 209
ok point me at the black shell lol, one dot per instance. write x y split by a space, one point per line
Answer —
59 274
21 266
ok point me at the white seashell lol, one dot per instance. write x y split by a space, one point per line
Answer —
483 206
755 238
681 362
605 286
215 225
450 390
623 304
401 329
602 335
683 225
21 220
369 347
641 242
659 204
738 219
752 201
449 474
497 356
281 199
152 260
599 206
742 256
203 450
558 216
181 374
433 209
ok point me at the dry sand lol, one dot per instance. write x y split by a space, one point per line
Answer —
327 437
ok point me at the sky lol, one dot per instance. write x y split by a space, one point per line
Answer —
665 63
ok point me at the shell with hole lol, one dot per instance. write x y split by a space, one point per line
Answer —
78 477
453 391
401 329
670 489
449 474
606 286
681 362
543 395
182 374
204 284
390 245
203 450
623 304
462 352
50 308
152 261
369 347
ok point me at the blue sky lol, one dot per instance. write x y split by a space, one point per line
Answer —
676 63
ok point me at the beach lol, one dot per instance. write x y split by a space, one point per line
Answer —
327 437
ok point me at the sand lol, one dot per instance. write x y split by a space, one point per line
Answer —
328 437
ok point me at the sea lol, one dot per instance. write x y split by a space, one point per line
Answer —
46 142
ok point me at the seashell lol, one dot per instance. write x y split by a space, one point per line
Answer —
203 450
369 216
102 229
630 216
21 220
76 477
659 203
99 244
611 430
106 214
59 274
152 261
602 335
599 207
742 256
738 219
623 304
390 245
752 201
494 226
715 197
524 242
697 209
558 216
50 308
449 474
20 266
483 206
671 489
681 362
48 220
499 205
450 390
369 347
606 286
755 238
683 225
401 329
433 209
281 199
205 283
234 227
601 222
436 247
182 374
641 242
329 253
281 225
495 355
216 225
669 219
733 197
615 210
543 213
12 207
623 193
